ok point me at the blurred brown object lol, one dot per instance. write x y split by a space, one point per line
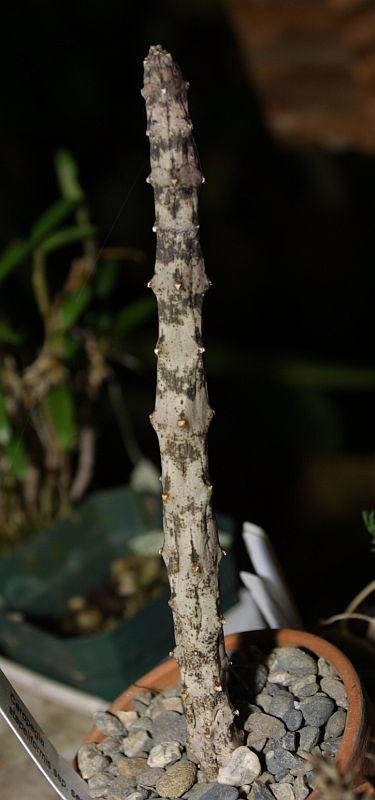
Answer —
312 64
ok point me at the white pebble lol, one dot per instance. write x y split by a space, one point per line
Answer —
163 754
172 704
242 768
127 717
136 743
282 791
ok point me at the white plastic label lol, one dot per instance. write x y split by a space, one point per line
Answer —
60 775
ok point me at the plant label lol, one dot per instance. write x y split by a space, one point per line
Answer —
60 775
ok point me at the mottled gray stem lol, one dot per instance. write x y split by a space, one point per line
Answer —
182 416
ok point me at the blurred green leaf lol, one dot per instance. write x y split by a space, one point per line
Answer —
72 307
51 218
67 176
12 256
67 236
5 427
134 314
61 407
329 376
107 277
369 520
9 335
17 457
63 345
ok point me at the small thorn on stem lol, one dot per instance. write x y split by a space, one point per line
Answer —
164 497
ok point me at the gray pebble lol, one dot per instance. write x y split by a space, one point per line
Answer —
335 689
91 761
142 724
310 778
336 724
161 755
300 789
127 717
258 745
108 723
172 691
282 791
148 777
279 776
305 686
119 790
279 760
326 669
281 704
262 725
293 660
139 794
266 777
259 791
308 737
317 710
99 784
169 726
113 769
212 791
263 699
282 677
260 677
172 704
288 741
155 707
131 767
273 688
330 747
139 706
121 763
136 743
143 695
110 746
293 719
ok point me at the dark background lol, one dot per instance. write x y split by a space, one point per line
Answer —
288 243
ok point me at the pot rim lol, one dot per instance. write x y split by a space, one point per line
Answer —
350 757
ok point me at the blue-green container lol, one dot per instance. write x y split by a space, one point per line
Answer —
71 558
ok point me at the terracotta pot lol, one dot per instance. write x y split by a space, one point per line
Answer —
352 754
